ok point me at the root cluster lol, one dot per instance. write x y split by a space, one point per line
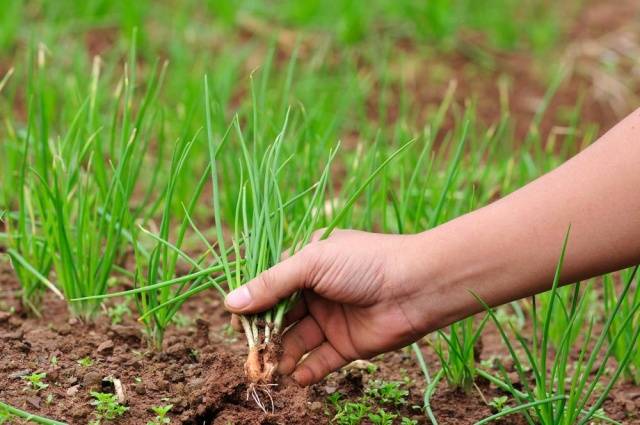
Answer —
260 368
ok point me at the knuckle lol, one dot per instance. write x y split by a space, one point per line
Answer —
266 281
312 259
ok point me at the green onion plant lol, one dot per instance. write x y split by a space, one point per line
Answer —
569 384
624 345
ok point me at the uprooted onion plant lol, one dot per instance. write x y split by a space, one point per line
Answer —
263 230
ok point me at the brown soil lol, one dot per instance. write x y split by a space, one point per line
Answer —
200 372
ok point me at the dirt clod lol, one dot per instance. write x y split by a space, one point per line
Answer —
105 348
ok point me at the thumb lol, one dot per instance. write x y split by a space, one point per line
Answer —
271 286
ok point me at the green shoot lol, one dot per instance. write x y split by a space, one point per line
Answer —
498 404
389 393
625 341
563 391
35 381
158 308
382 417
118 312
107 407
28 250
81 198
7 413
85 362
458 359
161 415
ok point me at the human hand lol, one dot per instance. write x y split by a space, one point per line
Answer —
359 298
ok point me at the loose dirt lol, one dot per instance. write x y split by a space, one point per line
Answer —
200 372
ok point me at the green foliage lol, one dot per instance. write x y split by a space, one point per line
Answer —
35 381
118 312
9 413
583 312
499 403
381 417
624 344
351 413
161 415
85 362
87 147
457 352
387 392
5 416
562 390
375 405
107 407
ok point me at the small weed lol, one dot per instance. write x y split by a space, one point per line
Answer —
107 407
161 415
390 393
49 399
381 417
228 333
35 381
408 421
118 312
351 413
182 320
498 403
85 362
54 360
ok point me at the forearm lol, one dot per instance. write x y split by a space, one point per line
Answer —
509 249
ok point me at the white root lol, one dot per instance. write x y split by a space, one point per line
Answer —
252 392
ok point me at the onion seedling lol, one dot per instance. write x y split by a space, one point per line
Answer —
564 390
158 308
261 232
83 197
27 246
625 343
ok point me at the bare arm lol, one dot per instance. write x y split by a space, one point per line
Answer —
366 293
509 249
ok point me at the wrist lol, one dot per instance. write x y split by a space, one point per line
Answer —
448 265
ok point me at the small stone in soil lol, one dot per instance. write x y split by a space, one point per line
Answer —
91 379
12 335
126 332
315 406
330 389
73 390
139 389
34 401
105 348
19 374
64 330
177 350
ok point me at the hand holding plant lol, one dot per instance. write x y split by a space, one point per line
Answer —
356 301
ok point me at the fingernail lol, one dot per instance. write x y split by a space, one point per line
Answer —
239 298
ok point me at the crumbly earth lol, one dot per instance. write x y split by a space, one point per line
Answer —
200 372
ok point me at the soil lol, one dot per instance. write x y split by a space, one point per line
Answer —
200 372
